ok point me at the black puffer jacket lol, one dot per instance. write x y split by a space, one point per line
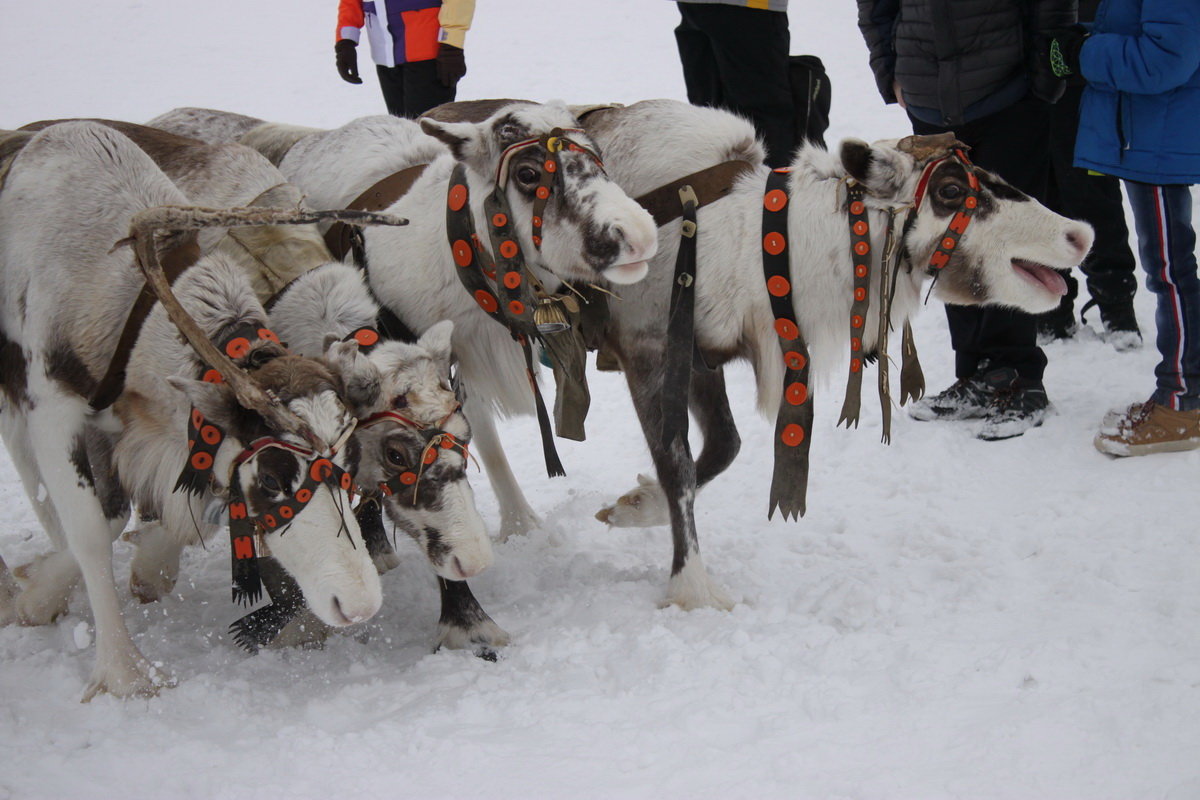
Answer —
976 59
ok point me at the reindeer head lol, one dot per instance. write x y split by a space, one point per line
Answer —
589 228
1010 246
414 448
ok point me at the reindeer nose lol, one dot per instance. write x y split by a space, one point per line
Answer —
1080 238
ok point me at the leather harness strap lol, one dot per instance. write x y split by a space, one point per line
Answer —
709 184
380 196
174 262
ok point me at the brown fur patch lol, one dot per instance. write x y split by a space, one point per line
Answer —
14 376
64 365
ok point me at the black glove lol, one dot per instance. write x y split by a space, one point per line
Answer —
346 51
1064 50
451 64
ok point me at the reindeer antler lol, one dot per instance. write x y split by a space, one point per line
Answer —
144 227
927 148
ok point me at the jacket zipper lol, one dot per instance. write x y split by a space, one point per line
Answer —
1121 129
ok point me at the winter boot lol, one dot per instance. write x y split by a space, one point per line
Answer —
966 398
1150 428
1120 324
1018 404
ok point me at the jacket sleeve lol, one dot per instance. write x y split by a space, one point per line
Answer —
1162 57
455 19
349 19
877 21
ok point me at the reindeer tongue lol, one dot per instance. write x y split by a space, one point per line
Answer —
1041 275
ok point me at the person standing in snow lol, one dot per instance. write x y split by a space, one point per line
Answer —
1096 199
417 46
968 67
1138 121
735 56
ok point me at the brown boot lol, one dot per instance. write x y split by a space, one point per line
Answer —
1149 428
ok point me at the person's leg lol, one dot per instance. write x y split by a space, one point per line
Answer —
391 83
1167 244
696 57
422 88
749 48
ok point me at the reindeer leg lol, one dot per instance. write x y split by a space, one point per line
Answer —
63 460
369 515
690 586
646 506
8 594
155 567
464 625
516 516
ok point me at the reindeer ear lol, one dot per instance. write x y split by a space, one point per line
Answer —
883 170
461 137
359 375
215 401
437 339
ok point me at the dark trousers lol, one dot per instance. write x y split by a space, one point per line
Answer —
1013 144
736 58
1167 244
411 89
1095 199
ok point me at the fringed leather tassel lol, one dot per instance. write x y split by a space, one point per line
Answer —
860 255
204 439
247 584
260 627
912 379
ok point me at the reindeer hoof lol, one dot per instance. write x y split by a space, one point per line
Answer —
691 588
136 679
482 638
518 524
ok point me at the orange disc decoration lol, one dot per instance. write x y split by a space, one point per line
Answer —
202 461
516 307
499 220
542 192
537 221
856 321
512 279
210 434
860 270
857 207
237 347
268 334
774 243
862 248
304 495
537 241
462 253
971 202
486 301
508 248
860 293
366 337
550 166
447 443
212 376
237 511
430 456
270 521
794 360
948 243
855 344
778 286
792 435
346 481
408 478
457 197
197 418
796 394
786 329
855 364
860 228
775 200
321 469
286 512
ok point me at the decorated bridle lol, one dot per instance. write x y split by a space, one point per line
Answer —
500 281
435 437
793 426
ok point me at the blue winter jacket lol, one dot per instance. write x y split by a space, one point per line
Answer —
1140 114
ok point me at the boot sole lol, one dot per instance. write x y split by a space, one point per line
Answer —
1122 450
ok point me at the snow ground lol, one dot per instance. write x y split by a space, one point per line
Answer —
952 618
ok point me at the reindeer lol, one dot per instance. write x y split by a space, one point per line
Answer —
267 430
590 231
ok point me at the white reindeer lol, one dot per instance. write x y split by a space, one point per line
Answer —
592 232
65 291
1007 256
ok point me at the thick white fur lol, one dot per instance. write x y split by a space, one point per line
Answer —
68 198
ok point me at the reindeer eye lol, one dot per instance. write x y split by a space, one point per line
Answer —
950 191
395 457
269 484
528 175
400 402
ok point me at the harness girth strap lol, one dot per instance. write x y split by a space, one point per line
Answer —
516 313
174 263
709 184
380 196
677 377
860 257
793 424
887 288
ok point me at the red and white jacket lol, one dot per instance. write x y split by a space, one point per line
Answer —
405 30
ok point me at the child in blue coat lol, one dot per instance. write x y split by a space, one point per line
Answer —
1140 121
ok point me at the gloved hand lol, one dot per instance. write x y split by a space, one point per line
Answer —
451 64
346 51
1063 50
